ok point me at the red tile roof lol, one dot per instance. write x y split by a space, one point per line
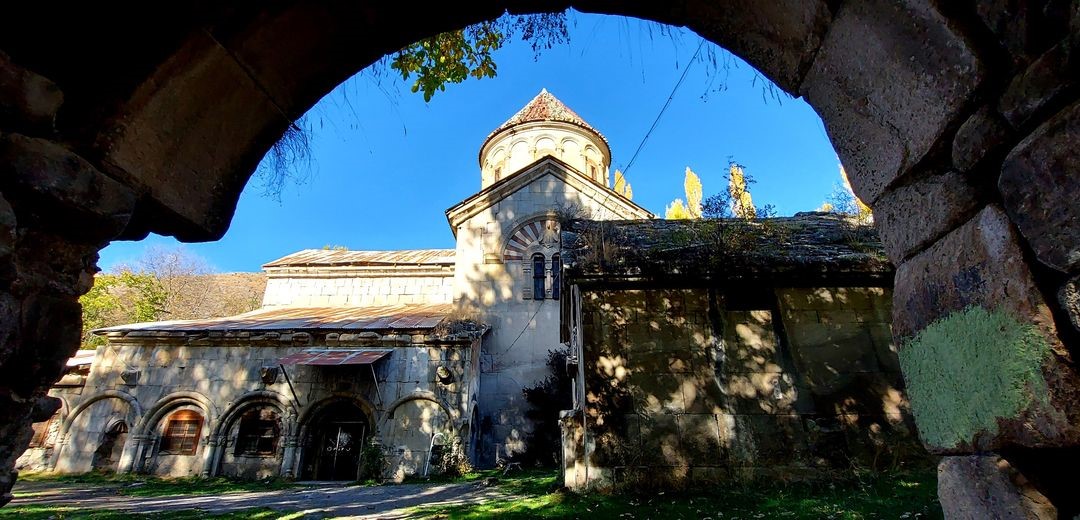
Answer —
545 107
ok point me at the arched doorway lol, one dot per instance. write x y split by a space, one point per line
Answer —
107 455
334 443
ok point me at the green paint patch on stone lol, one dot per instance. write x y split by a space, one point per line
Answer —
969 369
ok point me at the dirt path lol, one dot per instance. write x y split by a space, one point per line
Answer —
318 501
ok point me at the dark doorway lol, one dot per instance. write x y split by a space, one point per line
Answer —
107 455
335 443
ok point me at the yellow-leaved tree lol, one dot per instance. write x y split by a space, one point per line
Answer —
844 201
742 204
692 207
622 186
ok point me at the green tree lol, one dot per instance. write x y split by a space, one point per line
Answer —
124 297
453 57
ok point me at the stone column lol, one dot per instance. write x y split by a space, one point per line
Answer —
288 457
132 449
211 454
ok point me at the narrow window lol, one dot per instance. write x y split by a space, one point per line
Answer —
538 276
258 433
182 433
556 275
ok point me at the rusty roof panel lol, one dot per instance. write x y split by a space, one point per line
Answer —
392 317
324 257
345 356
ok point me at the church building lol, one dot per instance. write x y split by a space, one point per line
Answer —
408 352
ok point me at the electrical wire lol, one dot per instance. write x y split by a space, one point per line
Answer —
663 109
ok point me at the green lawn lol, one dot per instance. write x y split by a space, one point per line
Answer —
145 486
906 495
70 513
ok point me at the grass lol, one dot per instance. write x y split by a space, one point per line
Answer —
903 495
70 513
144 486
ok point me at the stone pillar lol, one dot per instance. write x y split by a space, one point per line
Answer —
288 457
211 454
58 452
131 453
986 487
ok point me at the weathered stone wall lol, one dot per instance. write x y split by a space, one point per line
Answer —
524 330
142 381
954 121
698 386
346 290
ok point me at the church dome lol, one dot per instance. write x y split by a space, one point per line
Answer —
545 126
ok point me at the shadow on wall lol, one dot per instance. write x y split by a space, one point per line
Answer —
698 385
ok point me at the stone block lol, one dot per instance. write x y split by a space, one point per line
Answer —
980 135
779 38
914 77
1054 74
27 98
979 263
68 190
7 241
912 216
1069 297
700 439
977 486
1039 182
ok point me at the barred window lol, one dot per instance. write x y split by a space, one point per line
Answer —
181 436
538 276
556 275
258 433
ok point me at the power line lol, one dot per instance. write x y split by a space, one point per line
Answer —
665 107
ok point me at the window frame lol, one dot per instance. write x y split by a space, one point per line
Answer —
556 275
539 277
251 432
181 443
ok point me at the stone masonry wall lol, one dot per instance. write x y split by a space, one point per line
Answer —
218 381
523 330
685 388
955 122
367 291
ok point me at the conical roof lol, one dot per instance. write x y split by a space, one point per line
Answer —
545 107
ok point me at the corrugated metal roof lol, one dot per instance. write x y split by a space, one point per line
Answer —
329 357
327 257
82 357
393 317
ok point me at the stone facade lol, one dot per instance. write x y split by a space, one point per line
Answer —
425 385
111 131
744 377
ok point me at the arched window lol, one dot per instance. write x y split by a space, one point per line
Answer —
538 276
556 275
258 433
181 436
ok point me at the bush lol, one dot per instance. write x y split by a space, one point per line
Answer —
543 446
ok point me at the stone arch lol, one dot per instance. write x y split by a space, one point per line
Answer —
171 402
893 110
312 410
136 409
409 428
528 235
281 403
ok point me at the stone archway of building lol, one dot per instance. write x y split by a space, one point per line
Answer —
113 130
280 404
333 439
107 456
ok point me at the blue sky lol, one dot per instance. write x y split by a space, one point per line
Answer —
387 164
